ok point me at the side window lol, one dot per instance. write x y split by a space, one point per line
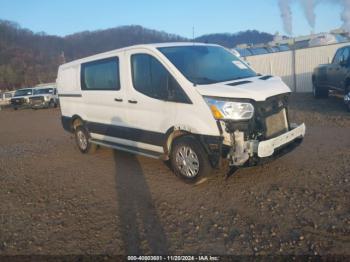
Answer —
345 55
152 79
337 57
100 75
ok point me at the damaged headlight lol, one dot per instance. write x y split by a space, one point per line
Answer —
229 109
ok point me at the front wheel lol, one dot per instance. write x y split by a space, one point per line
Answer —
82 138
319 92
347 98
189 160
51 104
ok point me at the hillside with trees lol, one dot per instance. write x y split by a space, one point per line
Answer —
28 58
231 40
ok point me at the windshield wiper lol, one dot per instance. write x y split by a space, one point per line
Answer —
202 80
238 78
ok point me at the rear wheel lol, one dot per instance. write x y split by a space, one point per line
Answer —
189 160
347 93
51 104
82 139
319 92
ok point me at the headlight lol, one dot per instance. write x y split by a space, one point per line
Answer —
230 110
46 97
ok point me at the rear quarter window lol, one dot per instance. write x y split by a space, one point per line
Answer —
101 75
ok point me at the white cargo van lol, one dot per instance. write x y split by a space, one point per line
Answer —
193 104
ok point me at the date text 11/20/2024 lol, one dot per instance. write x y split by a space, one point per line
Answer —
173 258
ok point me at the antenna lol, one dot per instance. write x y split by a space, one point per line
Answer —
193 34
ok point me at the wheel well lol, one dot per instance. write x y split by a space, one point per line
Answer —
171 136
214 153
76 121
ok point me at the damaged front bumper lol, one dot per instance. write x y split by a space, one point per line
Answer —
267 148
241 151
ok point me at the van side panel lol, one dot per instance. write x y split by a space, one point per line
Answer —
69 92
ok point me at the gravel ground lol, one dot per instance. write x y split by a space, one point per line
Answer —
56 201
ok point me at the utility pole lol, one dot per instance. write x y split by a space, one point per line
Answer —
192 34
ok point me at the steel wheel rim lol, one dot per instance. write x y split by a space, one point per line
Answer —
187 161
82 141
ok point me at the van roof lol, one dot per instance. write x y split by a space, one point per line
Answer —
147 46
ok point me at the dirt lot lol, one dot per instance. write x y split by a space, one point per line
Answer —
55 200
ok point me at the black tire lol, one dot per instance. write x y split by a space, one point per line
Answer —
82 139
347 91
319 92
184 151
51 104
348 107
15 108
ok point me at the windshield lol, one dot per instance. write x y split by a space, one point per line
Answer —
23 92
43 91
207 64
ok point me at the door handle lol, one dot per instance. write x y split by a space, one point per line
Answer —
132 101
118 99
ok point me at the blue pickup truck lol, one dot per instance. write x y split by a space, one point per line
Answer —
334 76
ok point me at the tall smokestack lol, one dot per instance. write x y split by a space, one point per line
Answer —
345 16
286 15
309 11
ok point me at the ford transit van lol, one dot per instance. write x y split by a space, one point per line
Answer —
192 104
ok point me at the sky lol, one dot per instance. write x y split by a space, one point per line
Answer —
64 17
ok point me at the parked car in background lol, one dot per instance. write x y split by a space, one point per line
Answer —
193 104
21 98
334 76
5 98
44 97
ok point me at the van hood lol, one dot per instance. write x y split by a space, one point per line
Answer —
255 88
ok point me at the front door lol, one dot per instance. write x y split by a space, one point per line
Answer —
333 70
151 111
341 72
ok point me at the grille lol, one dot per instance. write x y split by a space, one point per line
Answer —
18 101
276 124
37 98
270 119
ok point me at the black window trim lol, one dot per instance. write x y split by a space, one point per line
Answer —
94 62
342 55
341 51
187 100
